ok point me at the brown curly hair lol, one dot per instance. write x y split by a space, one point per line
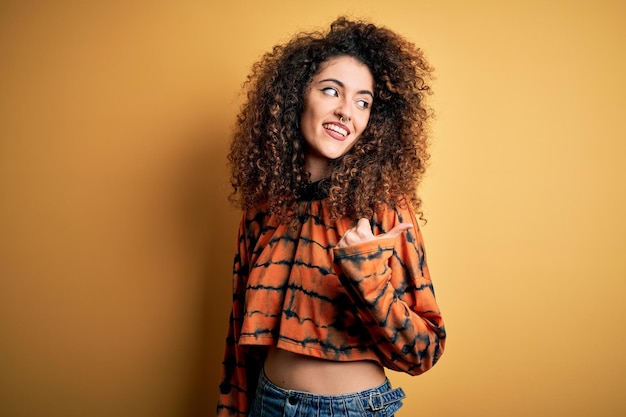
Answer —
387 162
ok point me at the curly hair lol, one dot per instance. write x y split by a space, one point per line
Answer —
388 161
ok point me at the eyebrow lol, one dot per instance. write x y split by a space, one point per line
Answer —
340 84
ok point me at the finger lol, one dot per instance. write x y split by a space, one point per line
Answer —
398 229
363 228
349 239
363 223
360 232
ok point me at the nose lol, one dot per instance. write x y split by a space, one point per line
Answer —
344 111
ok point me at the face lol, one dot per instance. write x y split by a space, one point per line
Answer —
337 107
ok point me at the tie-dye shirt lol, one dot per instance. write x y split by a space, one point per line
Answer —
294 289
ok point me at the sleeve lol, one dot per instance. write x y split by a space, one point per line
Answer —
240 369
389 282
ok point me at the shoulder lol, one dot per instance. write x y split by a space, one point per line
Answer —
401 212
259 220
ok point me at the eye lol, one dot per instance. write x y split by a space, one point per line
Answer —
364 104
330 91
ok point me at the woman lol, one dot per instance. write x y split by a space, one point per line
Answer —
331 284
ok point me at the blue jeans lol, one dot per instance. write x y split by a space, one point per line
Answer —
273 401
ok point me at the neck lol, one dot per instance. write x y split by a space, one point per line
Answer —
317 167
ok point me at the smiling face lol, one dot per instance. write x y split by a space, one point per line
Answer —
336 111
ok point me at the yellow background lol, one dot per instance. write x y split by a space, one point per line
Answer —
116 237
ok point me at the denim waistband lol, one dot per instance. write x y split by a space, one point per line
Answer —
373 399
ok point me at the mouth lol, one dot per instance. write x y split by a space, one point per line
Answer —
336 131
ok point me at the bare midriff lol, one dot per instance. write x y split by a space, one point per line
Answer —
319 376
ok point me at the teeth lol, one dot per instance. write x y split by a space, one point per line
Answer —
336 128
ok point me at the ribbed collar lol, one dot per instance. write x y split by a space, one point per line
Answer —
317 190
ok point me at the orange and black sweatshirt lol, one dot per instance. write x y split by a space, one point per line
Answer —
294 289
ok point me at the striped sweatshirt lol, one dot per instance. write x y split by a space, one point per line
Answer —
294 289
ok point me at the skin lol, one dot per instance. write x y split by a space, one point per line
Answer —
337 106
362 232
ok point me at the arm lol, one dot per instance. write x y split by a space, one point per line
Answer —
387 278
239 369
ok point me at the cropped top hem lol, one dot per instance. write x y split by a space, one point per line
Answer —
313 351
